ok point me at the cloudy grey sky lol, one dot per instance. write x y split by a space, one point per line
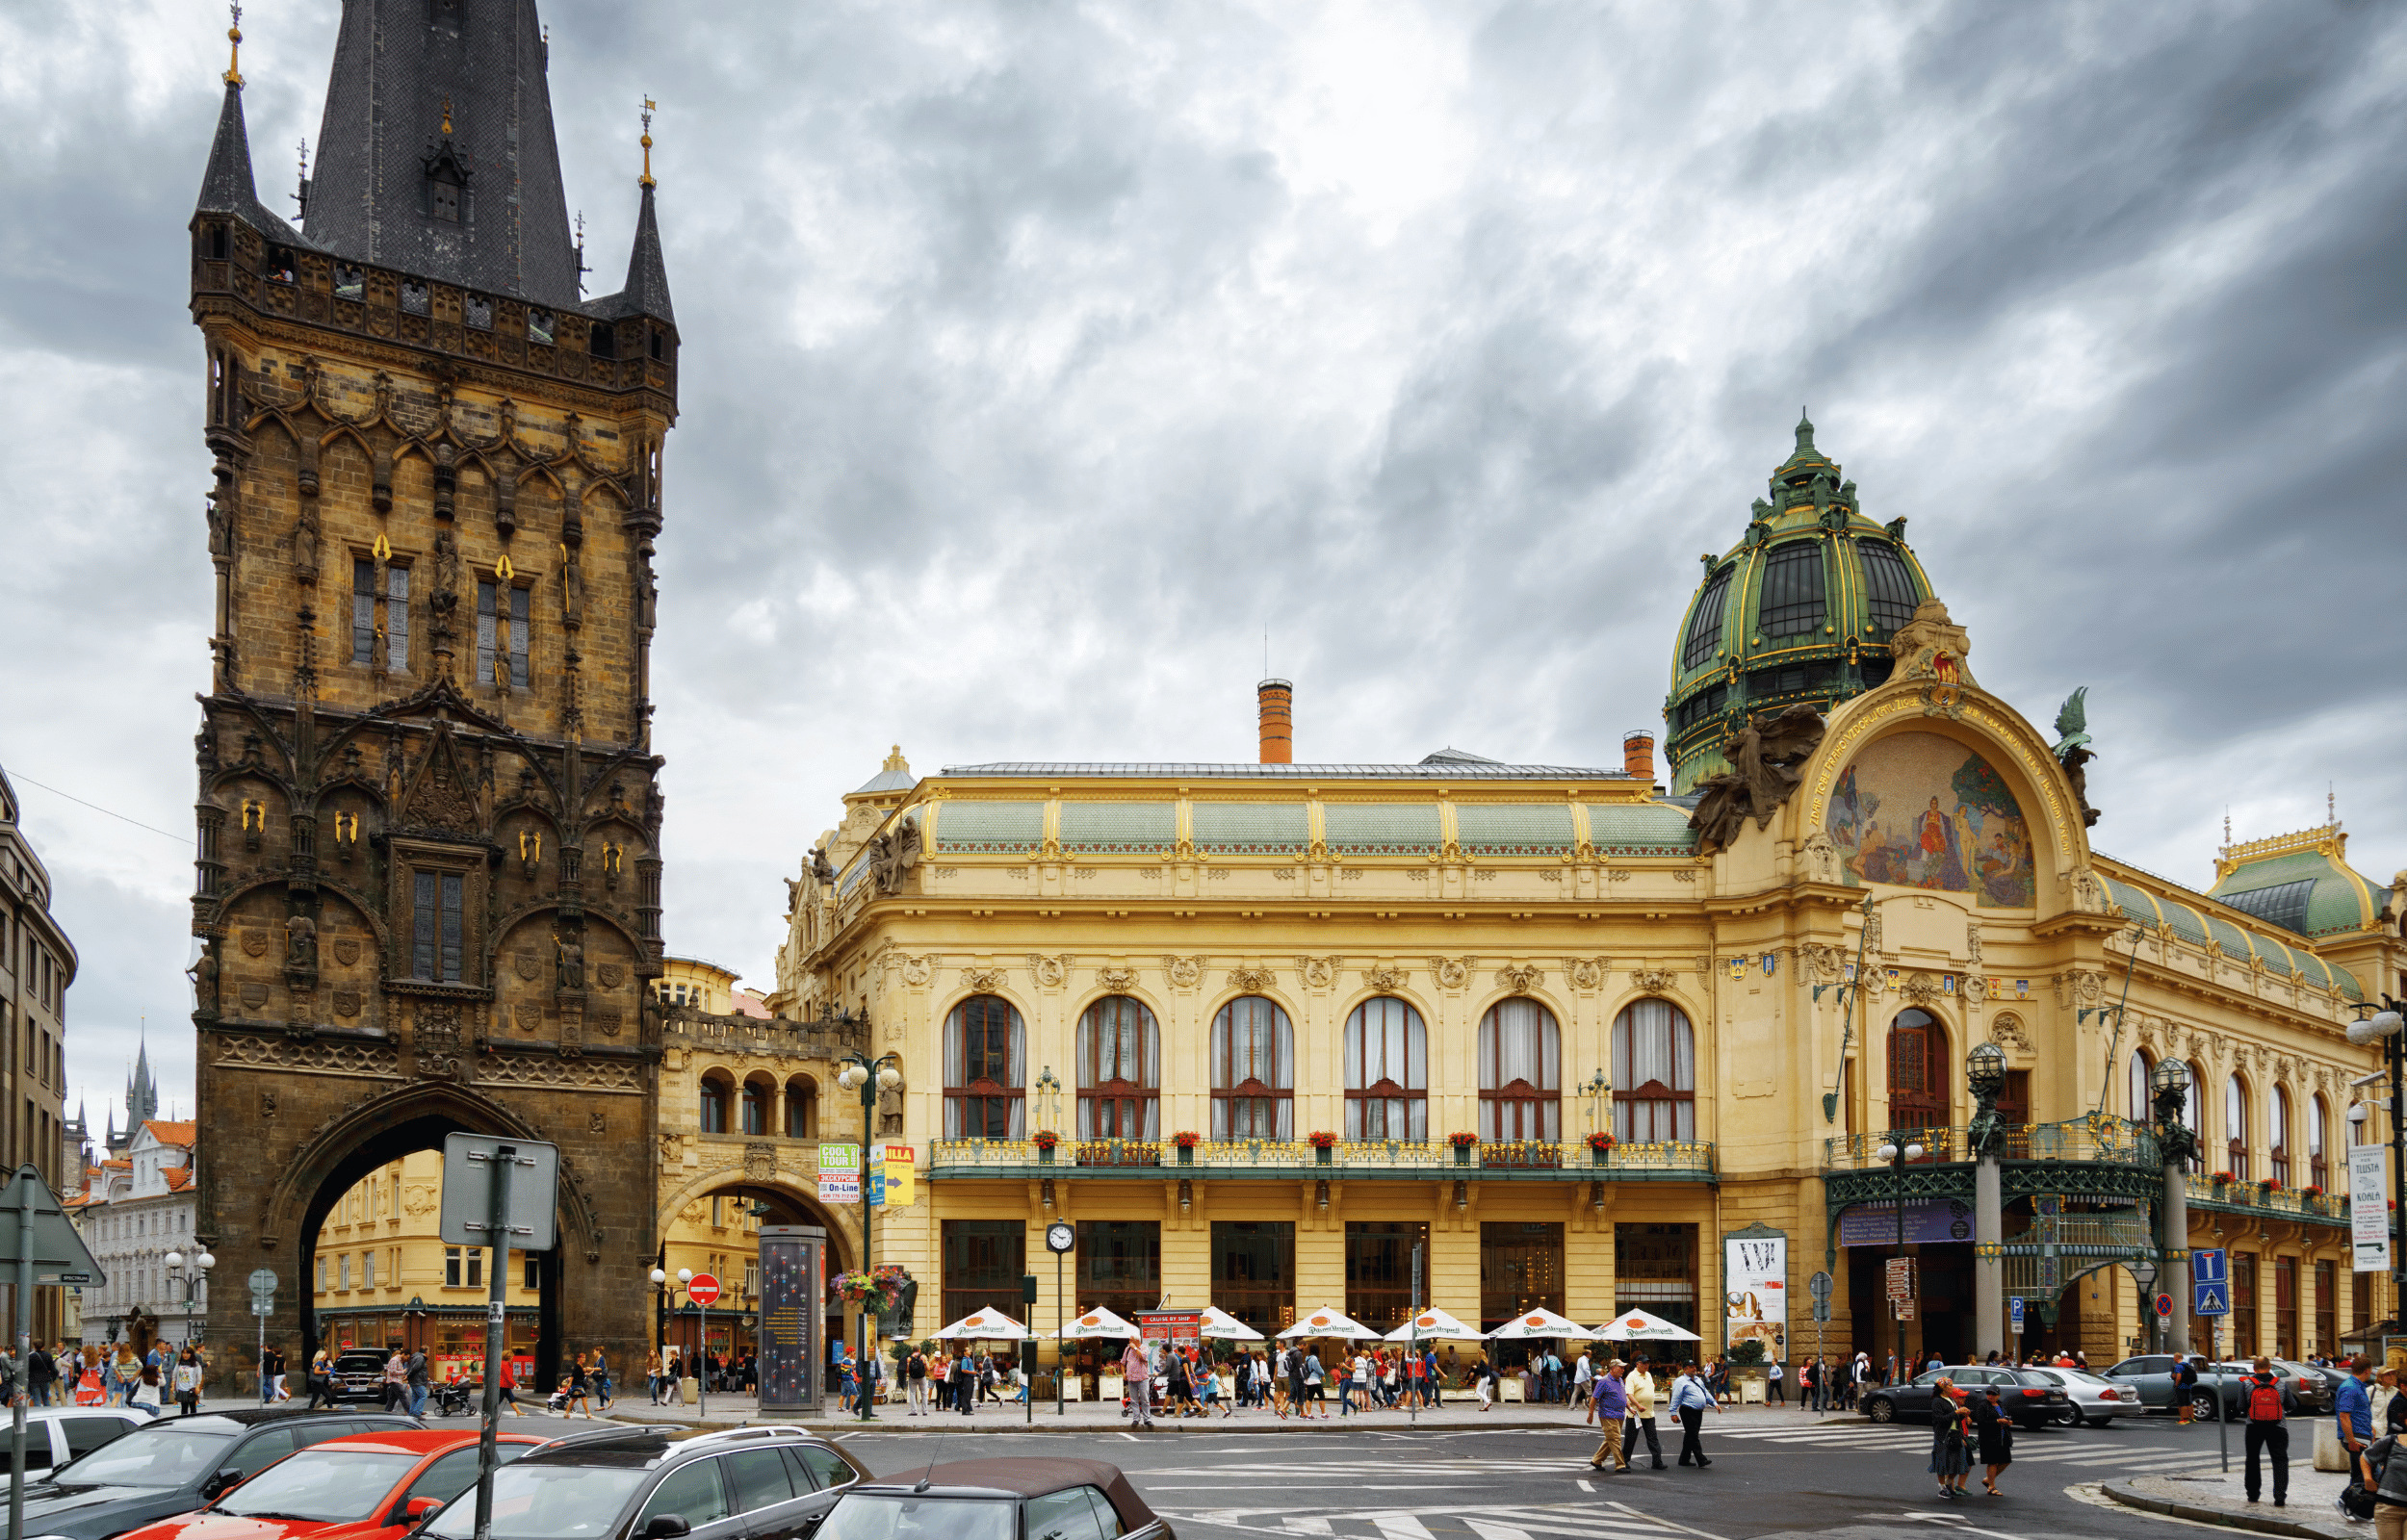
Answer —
1039 356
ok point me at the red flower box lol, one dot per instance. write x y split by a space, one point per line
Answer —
1462 1140
1600 1142
1046 1138
1186 1139
1323 1138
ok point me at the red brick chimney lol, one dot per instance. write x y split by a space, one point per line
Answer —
1638 754
1277 698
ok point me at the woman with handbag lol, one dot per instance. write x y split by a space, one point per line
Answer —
1951 1428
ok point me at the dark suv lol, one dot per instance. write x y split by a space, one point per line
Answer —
357 1374
750 1483
177 1465
2032 1400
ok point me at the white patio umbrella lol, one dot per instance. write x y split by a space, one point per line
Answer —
1433 1326
986 1325
1540 1324
1327 1322
1219 1322
1095 1323
1636 1325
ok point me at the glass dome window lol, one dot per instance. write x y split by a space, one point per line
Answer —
1889 592
1793 590
1704 627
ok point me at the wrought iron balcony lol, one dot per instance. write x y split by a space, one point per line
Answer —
1294 1159
2287 1203
2097 1156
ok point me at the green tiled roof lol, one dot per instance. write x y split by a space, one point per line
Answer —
1376 828
2185 922
2231 938
990 826
1641 829
2134 904
1245 828
1118 827
2200 924
1511 828
2304 890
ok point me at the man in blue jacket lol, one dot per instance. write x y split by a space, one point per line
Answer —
1611 1403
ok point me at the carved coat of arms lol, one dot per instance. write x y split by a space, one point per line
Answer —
347 951
347 1002
530 966
610 973
255 942
254 995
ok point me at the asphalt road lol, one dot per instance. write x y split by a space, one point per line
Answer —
1772 1475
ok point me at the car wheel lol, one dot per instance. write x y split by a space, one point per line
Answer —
2070 1416
2202 1404
1880 1410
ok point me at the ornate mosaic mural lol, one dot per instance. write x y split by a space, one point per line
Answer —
1920 810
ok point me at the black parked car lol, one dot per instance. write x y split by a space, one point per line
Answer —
750 1483
2032 1399
177 1465
357 1374
1042 1498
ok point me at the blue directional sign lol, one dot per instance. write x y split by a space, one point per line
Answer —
2206 1266
2212 1300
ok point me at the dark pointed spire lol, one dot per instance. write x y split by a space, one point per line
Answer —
499 221
646 293
226 186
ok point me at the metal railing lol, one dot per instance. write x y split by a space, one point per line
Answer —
1265 1156
2205 1189
2100 1137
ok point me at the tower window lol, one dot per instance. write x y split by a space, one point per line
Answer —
435 936
659 349
1888 587
389 609
1704 625
443 198
603 340
501 631
1793 603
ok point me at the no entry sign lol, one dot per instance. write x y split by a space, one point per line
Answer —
703 1290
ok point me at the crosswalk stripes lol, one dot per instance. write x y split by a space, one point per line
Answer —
1583 1521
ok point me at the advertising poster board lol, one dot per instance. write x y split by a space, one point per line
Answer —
899 1169
2369 1211
792 1295
1755 1290
839 1173
1178 1329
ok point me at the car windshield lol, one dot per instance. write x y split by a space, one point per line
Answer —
546 1503
163 1454
329 1487
2074 1376
881 1515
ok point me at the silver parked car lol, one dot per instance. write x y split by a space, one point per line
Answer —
2093 1400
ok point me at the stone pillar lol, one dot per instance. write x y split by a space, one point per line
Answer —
2173 1277
1989 1234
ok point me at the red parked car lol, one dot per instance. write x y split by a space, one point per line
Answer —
362 1486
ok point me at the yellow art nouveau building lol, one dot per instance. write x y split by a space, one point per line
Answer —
1263 1032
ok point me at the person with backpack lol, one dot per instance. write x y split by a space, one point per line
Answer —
916 1383
2185 1381
2269 1399
2377 1488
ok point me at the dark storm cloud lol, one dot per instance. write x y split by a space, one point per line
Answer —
1040 358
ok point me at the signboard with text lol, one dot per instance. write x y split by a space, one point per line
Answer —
2369 1211
839 1173
1756 1289
792 1295
1927 1221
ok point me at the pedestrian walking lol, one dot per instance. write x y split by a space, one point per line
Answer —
602 1388
2378 1478
1610 1401
1691 1398
1313 1390
959 1373
1993 1434
1950 1423
2269 1399
1136 1371
1640 1421
2352 1408
2185 1381
1772 1385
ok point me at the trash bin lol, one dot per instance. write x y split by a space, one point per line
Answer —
689 1389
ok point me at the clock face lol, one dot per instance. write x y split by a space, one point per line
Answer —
1060 1237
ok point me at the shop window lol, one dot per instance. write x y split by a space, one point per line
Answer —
1120 1265
1521 1269
984 1261
1379 1270
1655 1270
1254 1272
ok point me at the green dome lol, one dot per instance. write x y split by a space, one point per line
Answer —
1797 612
2300 881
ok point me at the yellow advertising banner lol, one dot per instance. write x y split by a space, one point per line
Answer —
900 1167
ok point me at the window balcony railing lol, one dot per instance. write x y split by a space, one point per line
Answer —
2205 1189
1268 1159
2097 1138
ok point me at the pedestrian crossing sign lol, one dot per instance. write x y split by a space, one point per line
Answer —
2213 1299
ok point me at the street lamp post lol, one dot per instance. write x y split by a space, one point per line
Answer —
1896 1156
1984 1074
2168 1084
188 1279
702 1336
868 1076
2143 1271
2383 1027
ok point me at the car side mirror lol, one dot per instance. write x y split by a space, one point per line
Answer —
417 1508
220 1483
667 1527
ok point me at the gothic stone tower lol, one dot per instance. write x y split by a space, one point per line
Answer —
429 874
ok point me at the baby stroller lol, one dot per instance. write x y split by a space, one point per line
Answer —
453 1398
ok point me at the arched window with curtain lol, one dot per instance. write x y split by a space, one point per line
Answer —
2318 1139
1253 1070
1120 1070
719 1089
1520 1073
2141 1093
760 1092
1654 1074
986 1062
802 1108
1918 1071
2277 1134
2236 1128
1386 1051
